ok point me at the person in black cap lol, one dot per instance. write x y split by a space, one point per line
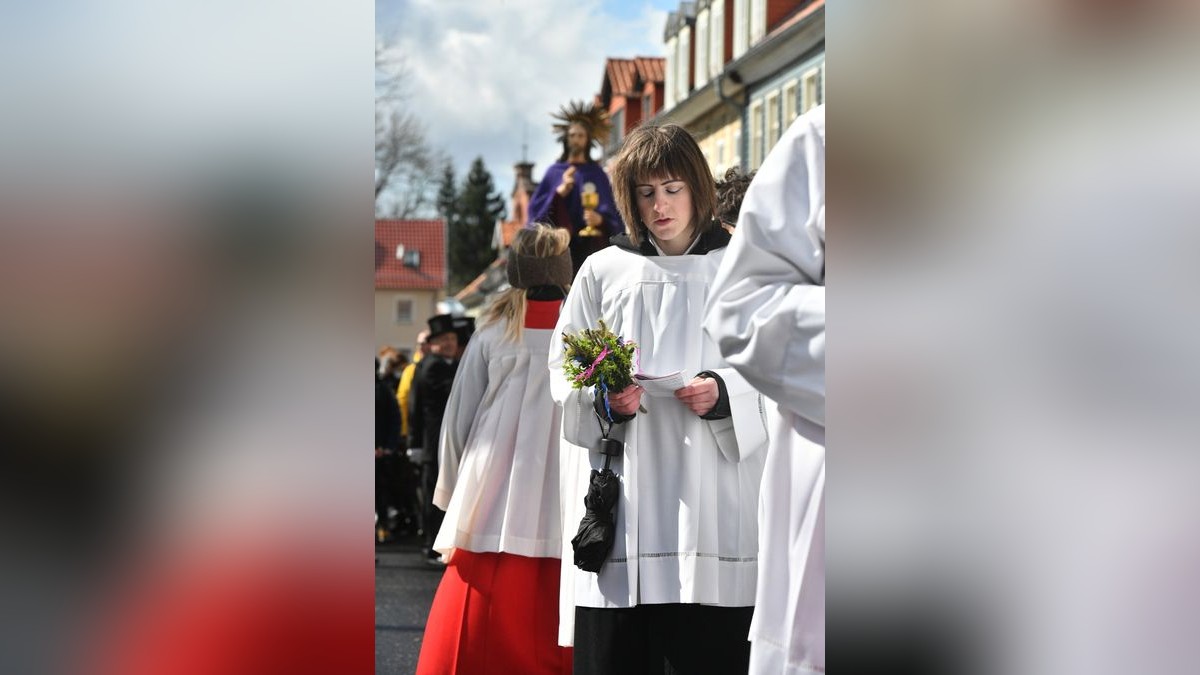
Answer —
427 404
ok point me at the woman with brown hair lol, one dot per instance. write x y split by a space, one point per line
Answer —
496 609
677 590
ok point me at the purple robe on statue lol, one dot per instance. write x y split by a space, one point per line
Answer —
547 206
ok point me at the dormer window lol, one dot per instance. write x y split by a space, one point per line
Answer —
408 257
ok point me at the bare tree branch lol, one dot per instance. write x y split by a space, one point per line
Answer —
391 75
406 166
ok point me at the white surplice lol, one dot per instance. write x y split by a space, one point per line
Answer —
767 314
686 526
498 478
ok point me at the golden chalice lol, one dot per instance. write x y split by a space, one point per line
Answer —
590 199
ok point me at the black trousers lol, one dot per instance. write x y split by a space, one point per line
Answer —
662 639
396 487
386 484
431 516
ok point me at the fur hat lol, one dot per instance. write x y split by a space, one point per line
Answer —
527 271
442 323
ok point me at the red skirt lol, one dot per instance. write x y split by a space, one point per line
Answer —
495 613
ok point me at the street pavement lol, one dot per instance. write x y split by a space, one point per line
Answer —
404 588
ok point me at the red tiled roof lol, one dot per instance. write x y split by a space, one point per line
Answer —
426 236
621 75
651 68
625 76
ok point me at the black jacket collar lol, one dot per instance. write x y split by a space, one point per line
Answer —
710 241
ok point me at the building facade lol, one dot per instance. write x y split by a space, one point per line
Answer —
739 71
410 278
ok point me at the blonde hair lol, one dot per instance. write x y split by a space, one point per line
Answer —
652 151
540 241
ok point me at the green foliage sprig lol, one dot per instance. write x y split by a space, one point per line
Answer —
596 357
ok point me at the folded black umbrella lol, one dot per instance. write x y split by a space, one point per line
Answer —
597 532
594 540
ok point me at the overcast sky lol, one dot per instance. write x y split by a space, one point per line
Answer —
483 73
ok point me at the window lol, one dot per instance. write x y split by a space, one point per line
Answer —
756 134
648 106
721 153
617 134
772 118
716 41
681 61
813 94
791 107
669 91
404 312
757 21
736 159
412 258
741 27
702 48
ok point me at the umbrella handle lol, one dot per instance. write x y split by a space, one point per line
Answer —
607 446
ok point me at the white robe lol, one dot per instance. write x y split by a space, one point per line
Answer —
686 526
767 314
498 478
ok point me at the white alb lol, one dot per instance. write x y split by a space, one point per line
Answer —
686 526
767 314
498 478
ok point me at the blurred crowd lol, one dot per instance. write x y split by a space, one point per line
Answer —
411 389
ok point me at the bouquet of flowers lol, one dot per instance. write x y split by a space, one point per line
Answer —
597 357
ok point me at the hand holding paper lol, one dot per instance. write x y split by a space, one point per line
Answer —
700 395
661 385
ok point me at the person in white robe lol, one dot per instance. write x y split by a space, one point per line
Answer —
767 316
496 609
676 592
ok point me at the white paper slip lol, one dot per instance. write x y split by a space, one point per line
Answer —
661 385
